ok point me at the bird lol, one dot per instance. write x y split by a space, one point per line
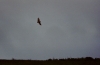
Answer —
38 21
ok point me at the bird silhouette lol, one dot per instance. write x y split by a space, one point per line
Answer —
38 21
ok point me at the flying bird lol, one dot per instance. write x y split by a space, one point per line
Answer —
38 21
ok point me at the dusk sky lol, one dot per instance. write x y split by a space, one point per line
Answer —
70 28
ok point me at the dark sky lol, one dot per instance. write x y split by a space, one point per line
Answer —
70 28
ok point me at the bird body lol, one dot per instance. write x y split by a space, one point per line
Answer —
38 21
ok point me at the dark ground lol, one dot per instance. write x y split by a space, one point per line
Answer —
69 61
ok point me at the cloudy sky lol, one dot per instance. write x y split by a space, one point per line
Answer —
70 28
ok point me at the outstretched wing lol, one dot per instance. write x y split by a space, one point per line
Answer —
38 21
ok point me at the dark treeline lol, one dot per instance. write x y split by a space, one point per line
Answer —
70 59
54 59
63 61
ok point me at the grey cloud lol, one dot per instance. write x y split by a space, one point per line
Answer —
68 28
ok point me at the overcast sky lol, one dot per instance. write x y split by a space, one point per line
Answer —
70 28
